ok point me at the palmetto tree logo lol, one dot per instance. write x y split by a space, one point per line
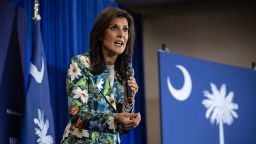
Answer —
220 108
41 131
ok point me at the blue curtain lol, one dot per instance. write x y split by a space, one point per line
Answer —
66 25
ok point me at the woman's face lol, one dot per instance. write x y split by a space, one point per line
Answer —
116 36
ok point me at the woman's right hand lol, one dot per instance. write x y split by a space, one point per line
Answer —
127 120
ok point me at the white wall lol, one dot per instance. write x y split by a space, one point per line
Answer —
225 34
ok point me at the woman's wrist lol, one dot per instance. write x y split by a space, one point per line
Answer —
128 106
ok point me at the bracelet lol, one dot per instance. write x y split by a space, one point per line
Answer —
129 105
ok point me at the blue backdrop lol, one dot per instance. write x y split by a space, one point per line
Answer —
65 27
204 102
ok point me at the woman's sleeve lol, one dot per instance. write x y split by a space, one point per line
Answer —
79 110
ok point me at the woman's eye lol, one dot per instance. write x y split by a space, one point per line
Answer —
112 28
125 29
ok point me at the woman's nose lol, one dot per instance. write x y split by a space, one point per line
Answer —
120 33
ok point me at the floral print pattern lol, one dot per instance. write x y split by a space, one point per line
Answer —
74 71
82 94
92 103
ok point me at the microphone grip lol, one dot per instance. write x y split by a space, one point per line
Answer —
128 89
128 73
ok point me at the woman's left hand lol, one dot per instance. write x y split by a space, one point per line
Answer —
127 120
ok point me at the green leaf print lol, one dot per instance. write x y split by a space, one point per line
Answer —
78 103
106 88
93 136
109 140
81 82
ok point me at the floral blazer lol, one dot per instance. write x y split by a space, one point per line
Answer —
91 104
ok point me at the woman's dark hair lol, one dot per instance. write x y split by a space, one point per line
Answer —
97 34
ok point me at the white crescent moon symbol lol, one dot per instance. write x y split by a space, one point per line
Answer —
183 93
35 73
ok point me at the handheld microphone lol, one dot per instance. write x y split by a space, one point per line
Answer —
129 72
